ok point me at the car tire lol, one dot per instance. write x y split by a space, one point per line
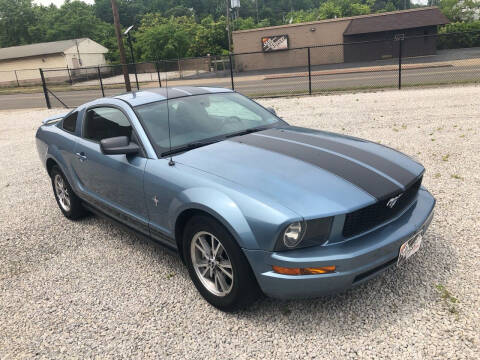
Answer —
228 294
69 203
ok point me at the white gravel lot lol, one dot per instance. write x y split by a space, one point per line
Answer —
89 289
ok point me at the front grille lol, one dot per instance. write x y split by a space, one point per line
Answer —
371 216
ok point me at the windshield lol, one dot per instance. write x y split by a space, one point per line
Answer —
201 118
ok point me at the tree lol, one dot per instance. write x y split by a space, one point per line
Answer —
166 38
130 11
460 10
210 38
69 22
15 17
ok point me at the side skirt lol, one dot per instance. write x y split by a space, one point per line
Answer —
166 244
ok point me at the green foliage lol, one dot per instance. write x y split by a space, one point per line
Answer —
459 10
249 23
177 37
166 38
332 9
74 19
467 34
184 28
15 17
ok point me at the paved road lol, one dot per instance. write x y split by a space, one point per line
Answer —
273 86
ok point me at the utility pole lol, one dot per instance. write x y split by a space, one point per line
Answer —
121 49
228 26
129 39
256 6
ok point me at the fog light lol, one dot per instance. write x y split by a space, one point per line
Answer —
303 271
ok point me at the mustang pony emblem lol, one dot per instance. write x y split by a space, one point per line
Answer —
391 203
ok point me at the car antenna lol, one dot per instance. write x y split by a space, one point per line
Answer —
171 162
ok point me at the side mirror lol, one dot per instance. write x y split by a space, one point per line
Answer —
118 145
272 110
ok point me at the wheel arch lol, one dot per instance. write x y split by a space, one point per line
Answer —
50 163
220 207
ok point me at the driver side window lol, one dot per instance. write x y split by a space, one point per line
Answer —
106 122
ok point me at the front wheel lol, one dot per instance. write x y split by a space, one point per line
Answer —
69 203
217 265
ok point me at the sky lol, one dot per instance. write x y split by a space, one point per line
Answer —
60 2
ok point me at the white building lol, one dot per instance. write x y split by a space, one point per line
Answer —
21 63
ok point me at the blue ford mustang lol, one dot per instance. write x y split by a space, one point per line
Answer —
250 203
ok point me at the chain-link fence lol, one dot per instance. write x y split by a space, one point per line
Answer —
72 87
454 63
20 78
395 62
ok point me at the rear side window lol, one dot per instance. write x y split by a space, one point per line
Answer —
70 122
106 122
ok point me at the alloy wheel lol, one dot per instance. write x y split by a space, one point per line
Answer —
62 192
212 263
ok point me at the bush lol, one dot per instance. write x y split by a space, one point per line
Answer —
466 34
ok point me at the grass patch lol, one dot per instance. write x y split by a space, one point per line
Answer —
456 176
449 300
445 157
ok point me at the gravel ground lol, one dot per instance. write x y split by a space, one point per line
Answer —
90 289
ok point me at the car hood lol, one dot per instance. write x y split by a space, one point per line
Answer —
313 173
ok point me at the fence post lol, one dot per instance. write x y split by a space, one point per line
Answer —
69 75
400 41
179 65
309 73
45 92
101 82
158 73
16 77
231 70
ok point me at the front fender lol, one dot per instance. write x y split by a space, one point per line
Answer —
218 205
253 223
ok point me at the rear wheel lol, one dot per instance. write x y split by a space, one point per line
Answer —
217 265
69 203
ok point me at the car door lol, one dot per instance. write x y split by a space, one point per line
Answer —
113 183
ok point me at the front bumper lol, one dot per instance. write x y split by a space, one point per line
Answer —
356 260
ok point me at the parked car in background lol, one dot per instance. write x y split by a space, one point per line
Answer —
250 203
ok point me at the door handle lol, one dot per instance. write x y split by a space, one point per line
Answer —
81 156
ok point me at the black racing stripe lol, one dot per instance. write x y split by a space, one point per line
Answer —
383 165
368 180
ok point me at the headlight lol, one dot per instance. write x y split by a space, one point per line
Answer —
300 234
293 234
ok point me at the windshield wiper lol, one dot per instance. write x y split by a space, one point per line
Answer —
247 131
197 144
189 146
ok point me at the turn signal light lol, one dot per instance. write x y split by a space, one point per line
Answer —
303 271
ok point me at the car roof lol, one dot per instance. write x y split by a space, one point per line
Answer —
141 97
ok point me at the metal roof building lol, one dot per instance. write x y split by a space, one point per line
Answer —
20 64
